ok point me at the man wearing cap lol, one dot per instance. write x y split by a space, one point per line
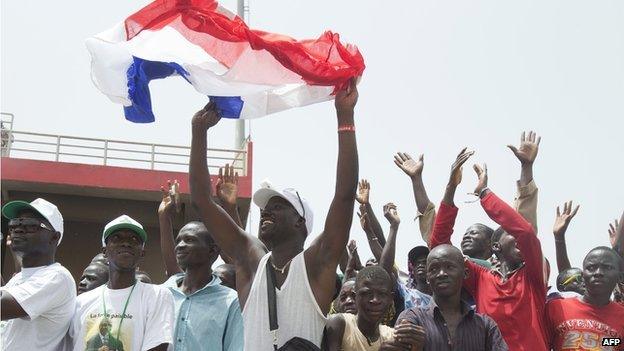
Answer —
38 302
138 316
305 280
416 292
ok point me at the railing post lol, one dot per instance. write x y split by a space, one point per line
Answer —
105 151
9 142
153 154
58 147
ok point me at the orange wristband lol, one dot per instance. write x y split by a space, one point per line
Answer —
346 128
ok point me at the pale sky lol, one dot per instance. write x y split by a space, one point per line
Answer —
439 76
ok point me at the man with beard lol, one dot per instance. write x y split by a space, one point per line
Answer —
363 331
585 323
305 279
207 313
140 314
38 302
514 292
449 320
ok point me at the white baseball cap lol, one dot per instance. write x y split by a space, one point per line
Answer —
44 208
262 196
123 222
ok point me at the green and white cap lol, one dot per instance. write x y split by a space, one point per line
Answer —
43 207
123 222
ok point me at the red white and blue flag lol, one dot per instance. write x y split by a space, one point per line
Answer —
249 73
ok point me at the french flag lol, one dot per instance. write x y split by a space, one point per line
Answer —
249 73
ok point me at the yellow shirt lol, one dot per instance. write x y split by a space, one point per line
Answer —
354 340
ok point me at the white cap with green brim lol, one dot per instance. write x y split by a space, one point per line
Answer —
44 208
123 222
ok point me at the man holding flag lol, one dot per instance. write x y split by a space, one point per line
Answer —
284 290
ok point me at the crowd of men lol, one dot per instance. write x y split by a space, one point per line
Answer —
491 293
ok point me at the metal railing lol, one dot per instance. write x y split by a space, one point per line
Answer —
111 152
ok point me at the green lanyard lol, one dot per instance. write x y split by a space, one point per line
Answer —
123 314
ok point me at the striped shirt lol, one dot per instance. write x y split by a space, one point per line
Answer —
475 332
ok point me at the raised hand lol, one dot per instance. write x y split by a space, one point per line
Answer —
169 195
413 168
529 146
363 192
408 333
613 232
364 220
347 98
227 186
352 247
563 219
391 214
207 117
483 178
616 235
456 169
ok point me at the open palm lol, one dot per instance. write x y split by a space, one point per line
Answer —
408 165
528 149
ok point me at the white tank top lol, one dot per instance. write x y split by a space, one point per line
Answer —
298 314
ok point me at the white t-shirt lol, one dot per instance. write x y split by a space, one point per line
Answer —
48 295
147 323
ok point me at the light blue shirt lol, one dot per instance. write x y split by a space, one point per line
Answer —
207 320
412 297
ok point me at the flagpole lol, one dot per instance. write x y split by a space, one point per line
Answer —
239 129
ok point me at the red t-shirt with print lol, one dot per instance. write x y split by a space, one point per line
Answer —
576 325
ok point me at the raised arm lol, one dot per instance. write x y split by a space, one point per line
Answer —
324 253
526 198
389 251
166 212
351 270
245 250
616 235
559 229
373 241
445 220
227 192
363 198
426 209
513 223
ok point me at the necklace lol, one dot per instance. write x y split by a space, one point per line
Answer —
123 314
281 270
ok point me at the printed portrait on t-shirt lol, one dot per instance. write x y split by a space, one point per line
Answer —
103 333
